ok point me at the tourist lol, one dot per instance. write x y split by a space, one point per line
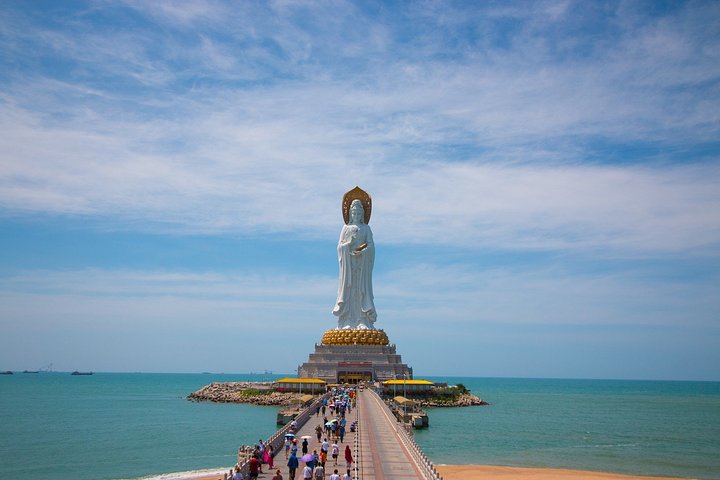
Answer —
287 447
347 476
325 445
323 408
335 451
292 466
254 468
318 432
319 473
307 472
269 456
323 457
261 454
335 475
342 433
304 446
348 456
316 458
236 474
317 411
278 476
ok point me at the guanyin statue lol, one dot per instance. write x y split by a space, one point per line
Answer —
354 307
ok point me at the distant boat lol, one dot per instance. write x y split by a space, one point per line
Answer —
81 373
30 371
6 372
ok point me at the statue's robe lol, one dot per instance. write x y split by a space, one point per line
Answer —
355 307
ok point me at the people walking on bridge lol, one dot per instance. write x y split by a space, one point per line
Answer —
319 432
319 473
348 456
347 476
342 433
277 476
307 472
335 475
292 466
304 446
270 456
253 468
237 475
287 447
335 451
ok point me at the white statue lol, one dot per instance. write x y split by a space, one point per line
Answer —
355 308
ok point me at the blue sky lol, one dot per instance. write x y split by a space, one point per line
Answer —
545 176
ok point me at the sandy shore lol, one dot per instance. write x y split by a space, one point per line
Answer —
483 472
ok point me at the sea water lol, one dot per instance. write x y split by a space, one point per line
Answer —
122 426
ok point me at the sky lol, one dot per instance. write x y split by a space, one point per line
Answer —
545 180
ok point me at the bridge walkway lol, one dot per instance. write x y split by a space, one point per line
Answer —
385 450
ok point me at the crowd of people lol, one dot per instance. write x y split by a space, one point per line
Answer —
332 427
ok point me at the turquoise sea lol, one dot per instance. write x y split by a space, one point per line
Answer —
125 426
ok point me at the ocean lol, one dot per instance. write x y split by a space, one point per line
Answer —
137 425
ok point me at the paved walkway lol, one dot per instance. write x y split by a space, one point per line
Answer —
384 455
309 430
378 448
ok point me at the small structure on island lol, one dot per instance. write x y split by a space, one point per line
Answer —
312 386
355 351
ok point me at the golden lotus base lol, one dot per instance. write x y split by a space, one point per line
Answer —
355 337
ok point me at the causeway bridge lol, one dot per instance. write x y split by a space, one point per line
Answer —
381 446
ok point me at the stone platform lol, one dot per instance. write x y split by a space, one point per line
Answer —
354 363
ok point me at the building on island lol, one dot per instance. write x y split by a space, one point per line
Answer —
407 387
300 385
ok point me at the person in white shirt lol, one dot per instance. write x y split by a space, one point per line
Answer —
307 473
335 451
335 475
347 476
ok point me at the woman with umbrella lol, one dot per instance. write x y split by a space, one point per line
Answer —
288 440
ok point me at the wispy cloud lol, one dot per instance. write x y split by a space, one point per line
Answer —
504 133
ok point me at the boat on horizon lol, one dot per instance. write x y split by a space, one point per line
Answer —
31 371
7 372
81 373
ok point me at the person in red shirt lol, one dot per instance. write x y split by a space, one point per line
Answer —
254 467
348 456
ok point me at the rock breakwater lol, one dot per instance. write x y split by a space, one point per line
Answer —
463 400
257 393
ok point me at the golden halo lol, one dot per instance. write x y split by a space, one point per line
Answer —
356 193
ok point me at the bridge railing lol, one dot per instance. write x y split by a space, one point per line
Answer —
426 467
277 440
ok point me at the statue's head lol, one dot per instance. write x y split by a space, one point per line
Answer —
357 212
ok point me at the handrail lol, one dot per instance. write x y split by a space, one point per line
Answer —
278 438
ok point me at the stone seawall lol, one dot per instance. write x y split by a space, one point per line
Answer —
464 400
256 393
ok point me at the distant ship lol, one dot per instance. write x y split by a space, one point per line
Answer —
81 373
6 372
31 371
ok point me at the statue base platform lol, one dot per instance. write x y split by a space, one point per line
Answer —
344 363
